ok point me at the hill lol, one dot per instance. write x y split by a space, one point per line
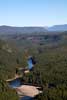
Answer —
58 28
14 30
7 30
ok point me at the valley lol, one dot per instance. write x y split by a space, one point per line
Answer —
50 72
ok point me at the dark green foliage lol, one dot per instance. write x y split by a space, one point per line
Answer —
50 72
7 70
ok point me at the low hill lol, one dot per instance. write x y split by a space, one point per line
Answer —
58 28
14 30
4 30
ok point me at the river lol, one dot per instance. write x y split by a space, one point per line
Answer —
17 83
26 92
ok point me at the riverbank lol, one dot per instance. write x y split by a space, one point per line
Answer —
23 90
26 90
16 77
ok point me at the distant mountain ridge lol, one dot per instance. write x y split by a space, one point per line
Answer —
58 28
13 30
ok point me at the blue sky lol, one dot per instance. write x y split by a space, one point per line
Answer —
33 12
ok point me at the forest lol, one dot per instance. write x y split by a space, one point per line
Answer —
50 72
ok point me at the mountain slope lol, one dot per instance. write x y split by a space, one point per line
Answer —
7 30
58 28
14 30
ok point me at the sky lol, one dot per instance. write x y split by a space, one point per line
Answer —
33 12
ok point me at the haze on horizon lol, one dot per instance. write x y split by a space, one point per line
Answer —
33 12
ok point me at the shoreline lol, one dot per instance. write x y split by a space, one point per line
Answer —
26 90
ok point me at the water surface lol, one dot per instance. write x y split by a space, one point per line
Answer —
16 83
